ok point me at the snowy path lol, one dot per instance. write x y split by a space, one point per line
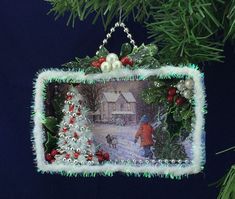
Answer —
126 148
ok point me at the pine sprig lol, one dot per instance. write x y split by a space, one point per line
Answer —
107 10
186 30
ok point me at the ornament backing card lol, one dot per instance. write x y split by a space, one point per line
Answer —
115 115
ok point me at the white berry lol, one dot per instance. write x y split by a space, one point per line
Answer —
111 57
116 65
106 67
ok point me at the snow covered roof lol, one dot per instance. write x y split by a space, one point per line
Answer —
113 96
123 113
128 96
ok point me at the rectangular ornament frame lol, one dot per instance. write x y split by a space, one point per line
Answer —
163 168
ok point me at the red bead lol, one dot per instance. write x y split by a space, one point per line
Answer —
69 97
79 112
100 158
180 100
89 158
72 120
75 135
131 63
106 156
99 153
71 107
48 157
75 155
65 129
127 61
101 60
67 156
54 152
96 64
170 98
172 91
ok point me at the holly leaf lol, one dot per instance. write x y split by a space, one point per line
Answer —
103 52
125 49
51 142
51 124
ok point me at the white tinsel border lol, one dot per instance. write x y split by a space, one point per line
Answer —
79 76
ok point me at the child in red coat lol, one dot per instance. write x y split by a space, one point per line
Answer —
145 133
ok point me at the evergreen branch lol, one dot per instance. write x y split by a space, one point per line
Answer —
185 31
108 9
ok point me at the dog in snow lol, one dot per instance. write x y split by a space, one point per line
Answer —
112 141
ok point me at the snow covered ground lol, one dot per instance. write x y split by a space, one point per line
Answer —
126 148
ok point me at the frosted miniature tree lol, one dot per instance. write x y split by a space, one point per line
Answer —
75 145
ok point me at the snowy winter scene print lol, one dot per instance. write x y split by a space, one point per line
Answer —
112 121
122 122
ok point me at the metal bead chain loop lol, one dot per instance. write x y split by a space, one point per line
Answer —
108 36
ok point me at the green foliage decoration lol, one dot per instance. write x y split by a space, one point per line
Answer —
142 56
192 31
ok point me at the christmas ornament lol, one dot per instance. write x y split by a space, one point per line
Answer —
104 98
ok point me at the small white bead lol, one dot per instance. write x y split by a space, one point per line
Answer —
133 42
112 30
126 30
117 24
108 35
122 25
105 41
100 47
97 53
129 36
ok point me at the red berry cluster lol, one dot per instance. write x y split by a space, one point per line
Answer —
125 61
171 97
102 156
97 63
50 157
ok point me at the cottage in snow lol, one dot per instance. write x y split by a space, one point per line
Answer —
117 106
